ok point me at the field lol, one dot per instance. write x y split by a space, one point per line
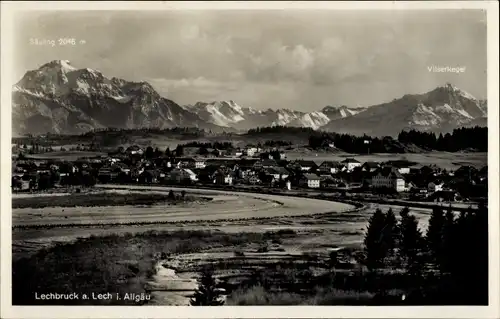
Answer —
64 155
129 258
159 250
118 264
223 206
99 199
449 161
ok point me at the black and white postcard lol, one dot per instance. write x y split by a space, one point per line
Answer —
265 159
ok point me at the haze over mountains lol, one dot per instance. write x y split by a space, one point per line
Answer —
60 98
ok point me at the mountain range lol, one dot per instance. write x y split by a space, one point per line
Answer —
59 98
230 114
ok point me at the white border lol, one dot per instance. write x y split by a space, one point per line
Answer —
8 311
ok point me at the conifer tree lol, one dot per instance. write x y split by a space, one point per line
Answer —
375 247
411 241
207 293
390 234
434 236
445 258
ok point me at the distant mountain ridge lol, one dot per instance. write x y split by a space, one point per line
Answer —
440 110
230 114
60 98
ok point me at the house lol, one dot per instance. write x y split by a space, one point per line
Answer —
329 167
199 163
121 167
268 163
266 156
250 151
278 173
351 163
237 153
253 180
149 176
178 175
401 165
275 154
370 167
328 183
243 172
388 177
435 186
304 166
410 186
247 163
280 155
187 162
223 178
309 180
134 150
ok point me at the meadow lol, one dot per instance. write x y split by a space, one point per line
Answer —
445 160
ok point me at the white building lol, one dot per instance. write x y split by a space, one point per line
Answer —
351 163
435 186
330 167
304 165
200 163
222 178
250 151
404 170
134 149
310 180
389 177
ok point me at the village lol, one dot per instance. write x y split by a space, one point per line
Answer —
255 166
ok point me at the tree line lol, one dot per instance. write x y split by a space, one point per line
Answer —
280 129
447 265
277 143
460 139
215 145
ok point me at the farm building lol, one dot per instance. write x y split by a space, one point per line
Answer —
330 167
388 177
435 186
134 150
351 163
310 180
304 166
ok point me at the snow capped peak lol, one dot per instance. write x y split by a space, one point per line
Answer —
455 90
63 65
341 111
333 108
92 71
222 113
231 104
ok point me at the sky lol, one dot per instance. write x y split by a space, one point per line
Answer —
295 59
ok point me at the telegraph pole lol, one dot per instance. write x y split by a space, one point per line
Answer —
367 142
